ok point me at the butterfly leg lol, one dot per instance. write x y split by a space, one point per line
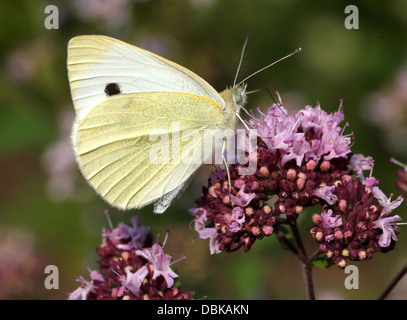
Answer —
226 164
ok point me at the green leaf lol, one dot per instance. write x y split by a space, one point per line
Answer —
321 262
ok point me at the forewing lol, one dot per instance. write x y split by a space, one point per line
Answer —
95 62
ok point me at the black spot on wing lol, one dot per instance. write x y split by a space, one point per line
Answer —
112 89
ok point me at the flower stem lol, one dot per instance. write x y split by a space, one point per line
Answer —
314 255
287 242
393 283
304 262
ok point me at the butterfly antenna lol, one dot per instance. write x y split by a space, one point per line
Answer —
271 96
241 58
271 64
263 89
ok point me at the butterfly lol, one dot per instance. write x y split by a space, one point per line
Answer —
122 96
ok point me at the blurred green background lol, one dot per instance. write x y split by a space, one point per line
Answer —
49 214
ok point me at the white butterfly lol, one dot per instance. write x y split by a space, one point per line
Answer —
123 94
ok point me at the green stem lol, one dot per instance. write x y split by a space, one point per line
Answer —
287 242
304 262
314 255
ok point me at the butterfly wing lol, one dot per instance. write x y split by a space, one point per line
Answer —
110 83
116 140
95 62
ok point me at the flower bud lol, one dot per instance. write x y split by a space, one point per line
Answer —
362 237
325 166
238 183
362 254
271 221
309 185
264 171
281 207
249 211
291 174
125 255
329 253
304 196
313 231
268 230
212 189
300 183
226 199
346 178
361 226
373 209
256 231
255 185
317 219
322 247
353 254
343 205
319 235
338 235
266 209
348 235
115 291
302 175
298 209
370 250
340 262
226 241
311 164
227 218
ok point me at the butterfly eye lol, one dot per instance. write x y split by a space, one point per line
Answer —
237 96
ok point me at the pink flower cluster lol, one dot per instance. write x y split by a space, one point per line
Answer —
359 224
308 134
131 268
303 159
